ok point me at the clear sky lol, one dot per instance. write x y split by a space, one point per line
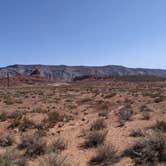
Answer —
83 32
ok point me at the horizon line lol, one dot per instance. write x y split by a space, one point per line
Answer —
1 67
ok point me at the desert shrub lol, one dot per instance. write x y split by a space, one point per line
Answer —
145 115
21 123
159 126
25 124
54 160
3 116
101 105
150 151
94 139
136 133
71 106
105 155
99 124
125 114
8 100
15 123
26 140
35 149
103 113
6 140
58 145
41 132
15 115
5 160
33 145
41 128
54 117
145 108
21 161
39 110
11 158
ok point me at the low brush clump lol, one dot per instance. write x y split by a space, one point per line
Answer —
22 124
3 116
136 133
145 116
99 124
39 110
12 158
95 135
106 154
5 160
125 114
54 117
6 140
102 105
58 145
103 113
150 151
94 139
33 145
145 108
54 160
159 126
15 115
9 101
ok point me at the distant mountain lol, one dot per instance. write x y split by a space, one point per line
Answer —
73 73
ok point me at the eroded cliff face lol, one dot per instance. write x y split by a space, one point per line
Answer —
72 73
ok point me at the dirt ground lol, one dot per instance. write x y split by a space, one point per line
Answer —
66 112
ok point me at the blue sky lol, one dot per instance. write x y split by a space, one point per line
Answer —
83 32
